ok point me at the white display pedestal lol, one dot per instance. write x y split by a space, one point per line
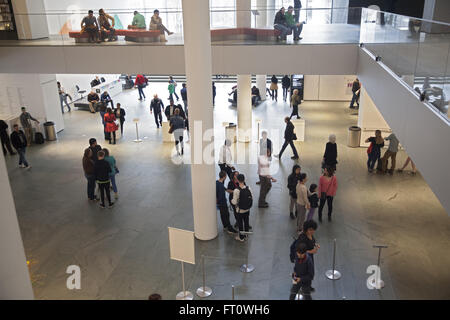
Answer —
167 137
299 128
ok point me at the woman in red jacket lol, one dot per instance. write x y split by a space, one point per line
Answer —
110 124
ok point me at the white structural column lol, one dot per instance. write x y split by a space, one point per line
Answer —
197 53
271 12
261 19
261 83
14 277
30 21
243 13
244 107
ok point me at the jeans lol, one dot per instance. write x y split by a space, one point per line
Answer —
297 14
121 127
90 186
104 34
285 93
28 134
295 111
283 29
104 188
225 217
297 30
301 216
311 213
373 158
266 185
22 160
355 98
274 95
158 119
178 135
63 99
285 144
113 182
306 290
329 200
141 92
243 222
292 204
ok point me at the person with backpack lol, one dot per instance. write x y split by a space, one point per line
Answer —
303 273
327 190
293 179
243 200
221 201
173 90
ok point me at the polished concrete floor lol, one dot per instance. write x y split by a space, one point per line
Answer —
124 252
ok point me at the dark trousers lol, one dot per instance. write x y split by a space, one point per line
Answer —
295 111
141 92
266 185
297 14
373 158
355 98
121 126
93 34
285 93
158 119
227 169
104 34
297 30
6 143
225 217
305 290
22 159
112 136
329 200
274 95
243 222
90 186
105 188
285 144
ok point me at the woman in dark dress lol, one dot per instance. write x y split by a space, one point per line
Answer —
330 155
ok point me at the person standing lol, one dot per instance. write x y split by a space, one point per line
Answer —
177 126
330 155
88 168
289 137
105 98
156 108
374 150
5 138
141 83
391 152
25 121
302 200
233 184
183 93
356 90
295 101
120 114
225 158
105 26
214 93
110 125
265 178
297 7
327 190
408 160
112 175
265 144
221 201
313 200
102 172
89 24
63 97
303 273
243 200
274 88
95 148
293 179
286 84
19 142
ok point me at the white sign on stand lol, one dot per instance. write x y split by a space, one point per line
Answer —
182 248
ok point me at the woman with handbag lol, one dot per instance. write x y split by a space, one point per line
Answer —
112 175
110 124
374 151
327 190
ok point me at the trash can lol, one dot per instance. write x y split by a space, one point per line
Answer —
50 131
354 136
231 132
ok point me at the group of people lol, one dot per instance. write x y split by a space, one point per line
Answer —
100 168
287 22
139 23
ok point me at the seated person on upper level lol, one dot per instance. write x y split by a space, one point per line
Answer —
94 100
106 98
95 82
138 22
256 97
156 24
281 25
297 27
105 26
89 24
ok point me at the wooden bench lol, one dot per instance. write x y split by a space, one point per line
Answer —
130 35
244 34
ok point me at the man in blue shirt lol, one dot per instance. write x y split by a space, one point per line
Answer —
183 92
222 203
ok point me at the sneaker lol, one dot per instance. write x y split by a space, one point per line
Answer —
116 195
292 215
239 239
28 168
102 206
265 205
277 156
21 166
170 33
231 230
258 182
111 205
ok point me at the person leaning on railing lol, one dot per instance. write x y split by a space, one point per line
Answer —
138 21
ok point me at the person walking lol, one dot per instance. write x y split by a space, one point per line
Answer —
141 83
243 200
302 200
102 172
25 121
289 137
295 101
391 152
313 198
5 138
293 179
408 160
330 155
356 90
156 108
63 97
112 175
222 203
89 173
286 84
183 93
303 273
274 88
327 189
120 115
19 142
214 93
265 178
171 88
177 126
110 125
374 150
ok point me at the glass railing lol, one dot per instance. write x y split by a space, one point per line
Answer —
416 50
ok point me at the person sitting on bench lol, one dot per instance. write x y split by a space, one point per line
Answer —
94 100
138 22
89 24
106 26
156 24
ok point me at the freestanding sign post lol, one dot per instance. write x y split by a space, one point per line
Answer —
136 120
182 248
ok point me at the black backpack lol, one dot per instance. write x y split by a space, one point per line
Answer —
39 138
245 199
293 250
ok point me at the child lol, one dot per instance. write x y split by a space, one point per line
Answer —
313 200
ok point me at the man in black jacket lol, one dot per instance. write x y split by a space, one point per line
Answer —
289 137
156 108
280 24
19 141
303 273
120 115
286 84
94 147
102 170
5 139
356 89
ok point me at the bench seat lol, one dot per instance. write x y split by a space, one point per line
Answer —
130 35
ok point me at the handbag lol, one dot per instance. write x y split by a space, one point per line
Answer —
323 195
294 137
171 129
369 150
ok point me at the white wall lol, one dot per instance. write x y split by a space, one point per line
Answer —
31 24
328 87
69 81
